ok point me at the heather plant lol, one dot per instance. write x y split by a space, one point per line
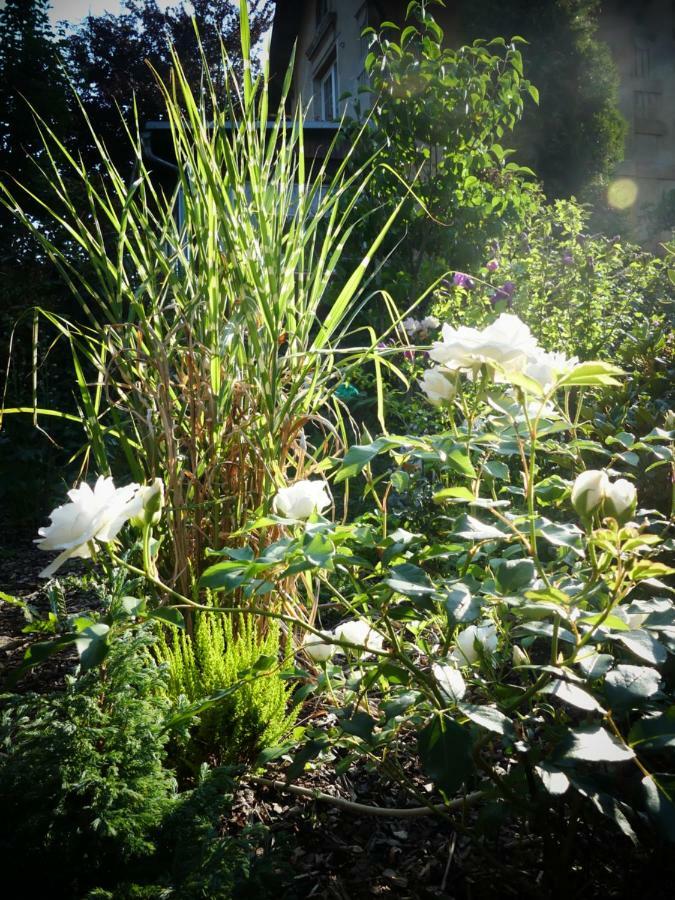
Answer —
215 659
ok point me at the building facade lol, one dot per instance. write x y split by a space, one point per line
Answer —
329 73
641 37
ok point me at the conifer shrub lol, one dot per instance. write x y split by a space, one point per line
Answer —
221 651
83 787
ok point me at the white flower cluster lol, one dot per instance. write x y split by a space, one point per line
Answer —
413 327
506 346
594 492
96 516
355 631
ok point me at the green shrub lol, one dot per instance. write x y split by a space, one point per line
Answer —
197 857
82 782
242 723
580 293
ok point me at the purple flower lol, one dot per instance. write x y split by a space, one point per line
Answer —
492 266
409 355
501 294
461 279
508 287
568 259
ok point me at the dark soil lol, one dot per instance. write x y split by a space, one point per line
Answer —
342 855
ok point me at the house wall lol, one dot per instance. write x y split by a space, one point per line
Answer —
641 37
340 39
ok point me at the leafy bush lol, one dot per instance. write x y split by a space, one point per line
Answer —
439 118
223 650
581 293
519 644
82 782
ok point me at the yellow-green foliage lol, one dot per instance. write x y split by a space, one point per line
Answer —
253 717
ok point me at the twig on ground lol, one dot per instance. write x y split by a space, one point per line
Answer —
364 808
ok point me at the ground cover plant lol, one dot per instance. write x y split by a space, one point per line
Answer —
474 611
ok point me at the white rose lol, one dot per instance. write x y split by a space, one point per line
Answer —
620 500
438 388
519 656
320 650
449 680
545 368
91 515
429 323
356 631
507 342
301 499
410 326
148 503
589 491
471 641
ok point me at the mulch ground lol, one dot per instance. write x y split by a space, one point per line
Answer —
342 855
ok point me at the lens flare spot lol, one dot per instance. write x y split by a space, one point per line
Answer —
622 193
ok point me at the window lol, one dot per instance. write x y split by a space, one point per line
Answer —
322 10
646 112
641 62
329 95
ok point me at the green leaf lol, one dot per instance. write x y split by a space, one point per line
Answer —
630 686
594 665
359 724
445 751
460 462
409 580
133 606
488 717
561 535
92 645
606 804
453 493
654 732
592 373
642 644
319 551
572 695
513 575
648 568
554 780
592 743
661 809
497 470
225 576
310 751
359 456
460 605
399 704
474 530
169 615
264 663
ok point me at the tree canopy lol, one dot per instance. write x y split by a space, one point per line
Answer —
576 137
